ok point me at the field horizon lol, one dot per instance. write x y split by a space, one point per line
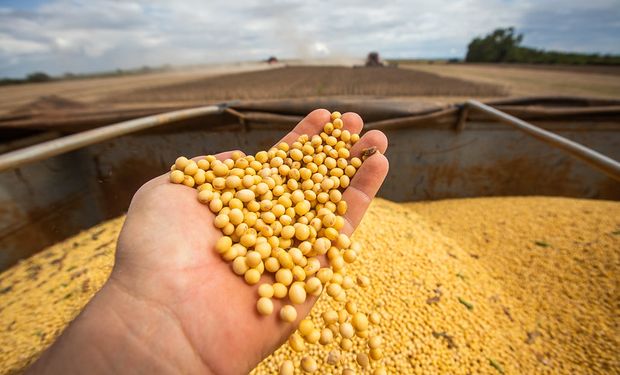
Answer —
437 81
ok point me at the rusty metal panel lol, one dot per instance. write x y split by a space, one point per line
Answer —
491 159
44 203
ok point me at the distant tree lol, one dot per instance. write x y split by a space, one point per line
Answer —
38 77
10 81
494 47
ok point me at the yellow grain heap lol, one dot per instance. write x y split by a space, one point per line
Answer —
488 285
42 294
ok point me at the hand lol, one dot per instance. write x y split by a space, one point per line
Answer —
172 304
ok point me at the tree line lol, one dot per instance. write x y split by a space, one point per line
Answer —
37 77
504 46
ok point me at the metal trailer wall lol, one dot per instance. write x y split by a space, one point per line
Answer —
492 159
45 202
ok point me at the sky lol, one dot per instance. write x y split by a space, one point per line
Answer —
82 36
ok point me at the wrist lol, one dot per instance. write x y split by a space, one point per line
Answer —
118 332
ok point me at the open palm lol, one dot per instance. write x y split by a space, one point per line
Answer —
166 256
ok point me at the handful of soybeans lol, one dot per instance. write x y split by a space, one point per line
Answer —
281 211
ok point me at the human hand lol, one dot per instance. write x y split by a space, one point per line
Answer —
173 295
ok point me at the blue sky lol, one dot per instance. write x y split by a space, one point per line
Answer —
58 36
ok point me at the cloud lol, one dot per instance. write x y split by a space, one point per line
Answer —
59 36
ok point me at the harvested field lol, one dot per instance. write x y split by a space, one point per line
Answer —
446 83
581 69
526 80
92 90
306 81
613 70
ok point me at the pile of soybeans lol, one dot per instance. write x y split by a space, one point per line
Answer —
467 286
